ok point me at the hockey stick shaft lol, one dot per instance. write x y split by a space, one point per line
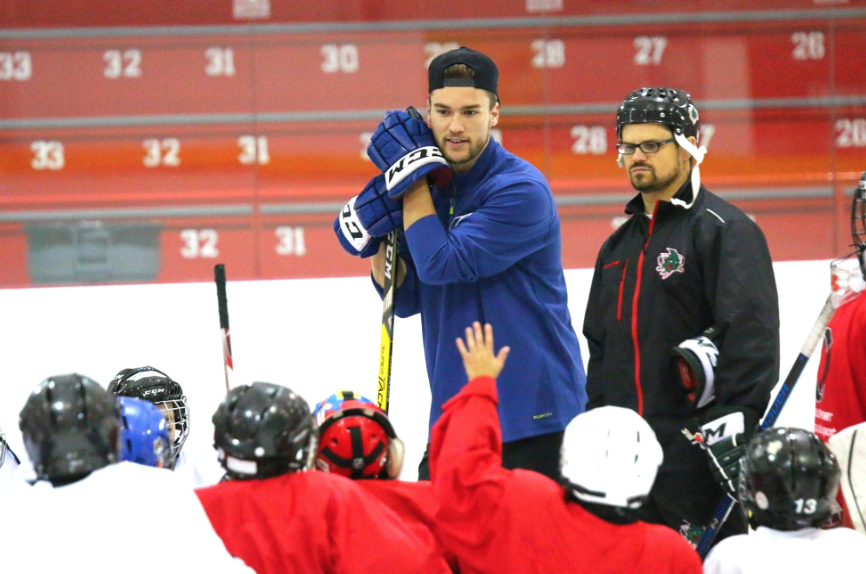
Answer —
723 510
386 344
219 272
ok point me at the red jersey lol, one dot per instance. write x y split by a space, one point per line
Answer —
315 522
504 521
414 503
842 377
842 371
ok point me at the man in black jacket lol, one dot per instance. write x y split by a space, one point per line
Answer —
683 316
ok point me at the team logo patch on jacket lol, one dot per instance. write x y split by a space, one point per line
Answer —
670 262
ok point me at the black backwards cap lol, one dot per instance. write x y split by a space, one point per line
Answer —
486 72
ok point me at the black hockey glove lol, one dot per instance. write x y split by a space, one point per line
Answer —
725 434
696 364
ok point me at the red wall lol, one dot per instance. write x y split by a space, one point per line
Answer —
123 113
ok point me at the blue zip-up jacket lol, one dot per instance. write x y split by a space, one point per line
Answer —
496 258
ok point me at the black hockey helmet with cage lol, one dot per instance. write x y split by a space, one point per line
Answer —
673 108
158 388
788 481
70 426
264 430
858 222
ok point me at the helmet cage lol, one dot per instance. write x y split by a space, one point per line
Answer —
156 387
2 447
858 222
144 436
176 413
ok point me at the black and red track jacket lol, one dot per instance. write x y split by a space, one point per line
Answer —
661 280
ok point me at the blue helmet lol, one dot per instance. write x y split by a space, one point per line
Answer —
143 433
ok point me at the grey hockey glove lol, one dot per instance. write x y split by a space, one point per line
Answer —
696 364
725 433
368 217
404 149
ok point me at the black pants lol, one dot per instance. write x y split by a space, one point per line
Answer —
539 453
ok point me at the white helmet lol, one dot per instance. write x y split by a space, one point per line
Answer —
610 456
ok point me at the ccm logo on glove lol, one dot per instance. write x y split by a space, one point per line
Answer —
410 162
354 233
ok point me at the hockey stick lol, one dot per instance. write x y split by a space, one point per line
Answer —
389 289
219 275
723 510
386 343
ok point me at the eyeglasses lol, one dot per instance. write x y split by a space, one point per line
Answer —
646 147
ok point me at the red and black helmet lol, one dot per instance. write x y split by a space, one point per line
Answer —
356 438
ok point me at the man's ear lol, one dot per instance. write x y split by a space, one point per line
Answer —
427 119
685 154
494 115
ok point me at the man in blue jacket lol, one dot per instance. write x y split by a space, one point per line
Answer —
482 243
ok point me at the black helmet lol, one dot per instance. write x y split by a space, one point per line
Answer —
668 106
789 480
263 430
858 222
158 388
70 426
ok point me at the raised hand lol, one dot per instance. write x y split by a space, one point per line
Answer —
479 359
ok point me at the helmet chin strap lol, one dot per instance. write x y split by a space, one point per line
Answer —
697 153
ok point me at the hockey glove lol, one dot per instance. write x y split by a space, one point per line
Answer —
696 364
368 217
725 434
404 149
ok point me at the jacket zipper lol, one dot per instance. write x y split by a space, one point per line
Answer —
621 286
634 333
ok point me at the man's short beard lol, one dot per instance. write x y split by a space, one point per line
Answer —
653 184
472 155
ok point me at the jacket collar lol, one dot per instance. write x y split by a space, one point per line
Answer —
684 194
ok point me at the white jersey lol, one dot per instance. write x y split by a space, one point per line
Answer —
839 550
14 475
7 472
849 446
125 517
198 471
